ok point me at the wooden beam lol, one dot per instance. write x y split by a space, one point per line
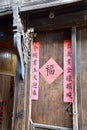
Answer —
33 5
75 89
5 10
50 127
78 18
6 73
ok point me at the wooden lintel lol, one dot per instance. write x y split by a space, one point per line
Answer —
59 21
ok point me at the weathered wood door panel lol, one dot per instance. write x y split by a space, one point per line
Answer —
7 73
50 108
7 62
6 101
82 77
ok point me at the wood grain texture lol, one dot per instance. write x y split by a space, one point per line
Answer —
7 62
50 108
6 95
82 77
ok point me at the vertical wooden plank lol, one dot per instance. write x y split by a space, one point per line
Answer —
27 49
18 110
75 94
6 90
25 98
30 83
82 78
79 73
28 99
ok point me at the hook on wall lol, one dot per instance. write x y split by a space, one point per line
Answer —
51 15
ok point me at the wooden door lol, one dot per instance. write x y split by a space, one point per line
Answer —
50 108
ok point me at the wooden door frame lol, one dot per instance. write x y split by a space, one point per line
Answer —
74 85
74 72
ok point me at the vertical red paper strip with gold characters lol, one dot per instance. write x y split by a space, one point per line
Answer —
35 70
67 71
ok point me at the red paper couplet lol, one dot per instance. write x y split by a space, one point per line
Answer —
67 71
35 70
